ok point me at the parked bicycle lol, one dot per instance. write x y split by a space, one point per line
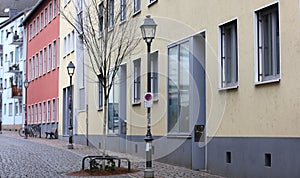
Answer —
32 131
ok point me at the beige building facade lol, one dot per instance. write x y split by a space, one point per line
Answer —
224 82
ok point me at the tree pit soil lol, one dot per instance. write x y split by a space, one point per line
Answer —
87 172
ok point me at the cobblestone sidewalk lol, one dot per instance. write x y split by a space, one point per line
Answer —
161 170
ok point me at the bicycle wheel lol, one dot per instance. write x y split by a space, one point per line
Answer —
22 132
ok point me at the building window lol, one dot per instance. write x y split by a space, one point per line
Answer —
65 46
68 43
17 54
32 68
54 8
228 68
45 61
46 17
53 110
41 20
20 108
4 112
72 40
81 99
154 74
37 24
40 113
136 6
113 107
37 65
10 106
151 2
268 56
16 108
111 14
41 63
48 111
34 26
100 95
101 18
36 113
50 12
178 88
29 71
44 112
136 81
11 54
123 10
30 31
49 57
54 55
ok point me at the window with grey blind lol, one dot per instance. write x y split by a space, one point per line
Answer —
268 56
229 57
123 10
154 74
136 6
136 81
111 19
101 18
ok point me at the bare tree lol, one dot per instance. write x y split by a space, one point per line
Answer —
108 33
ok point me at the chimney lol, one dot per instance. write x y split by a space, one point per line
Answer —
12 12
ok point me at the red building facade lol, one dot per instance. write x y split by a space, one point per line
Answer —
42 64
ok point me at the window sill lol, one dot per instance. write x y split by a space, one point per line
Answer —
136 103
179 136
123 22
229 88
100 109
277 80
112 135
150 4
136 13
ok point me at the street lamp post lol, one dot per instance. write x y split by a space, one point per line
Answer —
26 84
148 29
71 70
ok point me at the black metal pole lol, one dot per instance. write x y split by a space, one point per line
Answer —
148 139
26 116
70 145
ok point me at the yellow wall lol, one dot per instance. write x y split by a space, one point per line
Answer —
250 110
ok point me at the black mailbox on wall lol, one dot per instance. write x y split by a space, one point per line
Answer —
198 133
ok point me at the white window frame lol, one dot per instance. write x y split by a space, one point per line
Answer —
54 8
101 18
154 74
48 110
41 20
32 67
136 6
260 74
150 2
45 16
41 63
111 15
54 54
53 110
65 46
49 57
100 95
37 65
226 80
50 11
136 81
123 10
45 61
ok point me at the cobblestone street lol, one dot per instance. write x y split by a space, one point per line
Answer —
40 157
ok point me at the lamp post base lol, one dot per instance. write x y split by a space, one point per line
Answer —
70 146
148 173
